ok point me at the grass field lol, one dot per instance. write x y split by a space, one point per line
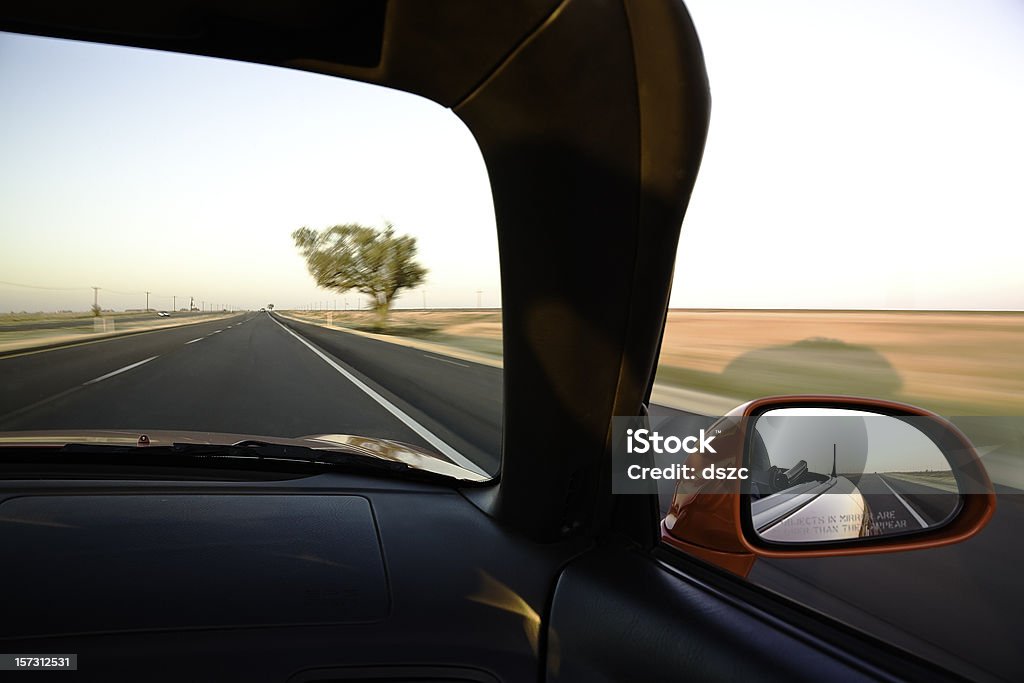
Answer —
955 362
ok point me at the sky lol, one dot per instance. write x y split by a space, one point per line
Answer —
862 441
860 155
136 170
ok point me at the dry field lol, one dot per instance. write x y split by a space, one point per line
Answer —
958 363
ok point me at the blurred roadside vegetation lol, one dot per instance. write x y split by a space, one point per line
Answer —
474 330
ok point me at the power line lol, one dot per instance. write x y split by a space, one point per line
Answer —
79 289
148 294
114 291
53 289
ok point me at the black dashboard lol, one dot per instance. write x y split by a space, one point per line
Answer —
327 577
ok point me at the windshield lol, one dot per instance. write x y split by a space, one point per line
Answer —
213 250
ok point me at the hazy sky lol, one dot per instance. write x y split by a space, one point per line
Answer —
865 155
864 441
133 170
861 154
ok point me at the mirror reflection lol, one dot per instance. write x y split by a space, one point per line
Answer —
827 474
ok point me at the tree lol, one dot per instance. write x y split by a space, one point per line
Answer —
270 307
377 263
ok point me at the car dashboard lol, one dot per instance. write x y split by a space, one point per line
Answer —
326 577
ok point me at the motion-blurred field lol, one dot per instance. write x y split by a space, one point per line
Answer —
957 363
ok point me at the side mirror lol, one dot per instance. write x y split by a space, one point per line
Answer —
830 476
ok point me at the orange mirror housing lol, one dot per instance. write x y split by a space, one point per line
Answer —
711 518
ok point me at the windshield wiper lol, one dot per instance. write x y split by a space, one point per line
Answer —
248 455
248 451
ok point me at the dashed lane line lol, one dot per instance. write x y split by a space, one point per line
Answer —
445 360
119 371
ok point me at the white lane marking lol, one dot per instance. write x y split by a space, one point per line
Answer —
412 424
118 372
445 360
194 341
917 517
217 332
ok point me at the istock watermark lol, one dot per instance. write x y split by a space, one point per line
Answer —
644 440
655 454
686 472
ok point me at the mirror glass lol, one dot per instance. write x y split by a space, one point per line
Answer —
826 474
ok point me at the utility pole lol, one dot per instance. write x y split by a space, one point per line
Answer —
95 297
147 302
174 303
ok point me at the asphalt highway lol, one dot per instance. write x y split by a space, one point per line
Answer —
900 506
252 374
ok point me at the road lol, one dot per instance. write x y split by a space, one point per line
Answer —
258 374
901 506
251 374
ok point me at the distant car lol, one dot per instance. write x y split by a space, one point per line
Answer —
163 314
